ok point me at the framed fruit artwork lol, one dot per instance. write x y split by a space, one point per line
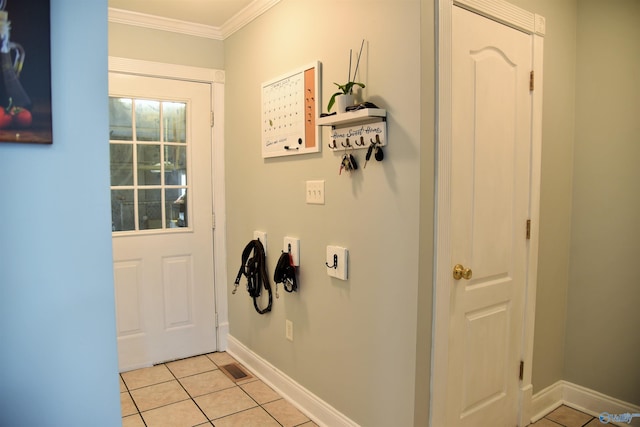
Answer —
25 64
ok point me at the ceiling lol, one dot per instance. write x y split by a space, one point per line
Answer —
214 13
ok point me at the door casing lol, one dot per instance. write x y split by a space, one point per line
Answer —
534 25
216 78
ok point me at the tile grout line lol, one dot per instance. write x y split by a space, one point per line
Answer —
546 417
260 405
550 420
168 404
257 403
192 398
237 384
133 400
189 394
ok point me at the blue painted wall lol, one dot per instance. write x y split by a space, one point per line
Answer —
58 356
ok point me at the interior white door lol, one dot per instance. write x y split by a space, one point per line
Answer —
161 186
490 184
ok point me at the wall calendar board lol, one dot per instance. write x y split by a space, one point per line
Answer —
289 107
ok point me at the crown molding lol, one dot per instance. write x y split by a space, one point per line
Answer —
246 15
239 20
144 20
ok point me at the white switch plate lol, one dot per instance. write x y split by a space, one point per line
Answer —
295 249
315 192
262 236
341 257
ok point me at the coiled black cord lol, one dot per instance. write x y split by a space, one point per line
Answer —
255 269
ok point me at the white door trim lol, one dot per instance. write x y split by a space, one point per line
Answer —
216 79
529 23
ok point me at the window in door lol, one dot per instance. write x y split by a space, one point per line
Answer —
148 152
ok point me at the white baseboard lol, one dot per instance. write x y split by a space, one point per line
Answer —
319 411
546 400
581 398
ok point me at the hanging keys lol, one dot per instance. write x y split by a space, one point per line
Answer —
375 148
369 151
379 155
344 164
352 162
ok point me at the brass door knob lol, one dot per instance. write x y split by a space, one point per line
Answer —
460 272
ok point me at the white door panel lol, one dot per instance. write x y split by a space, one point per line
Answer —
163 262
491 143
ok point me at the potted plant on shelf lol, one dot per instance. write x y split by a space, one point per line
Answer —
344 97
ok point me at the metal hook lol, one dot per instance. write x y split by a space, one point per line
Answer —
361 143
347 145
335 262
333 145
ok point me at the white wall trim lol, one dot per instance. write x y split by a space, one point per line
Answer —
236 22
506 13
219 210
546 400
165 70
319 411
581 398
216 79
246 15
442 241
530 23
143 20
533 243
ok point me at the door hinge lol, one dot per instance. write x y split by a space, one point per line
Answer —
213 221
212 119
528 229
521 370
216 320
531 81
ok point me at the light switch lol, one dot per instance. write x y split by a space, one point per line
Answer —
315 192
337 262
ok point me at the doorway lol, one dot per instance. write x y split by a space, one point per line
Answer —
165 210
487 211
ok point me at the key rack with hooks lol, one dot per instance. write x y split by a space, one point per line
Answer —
356 129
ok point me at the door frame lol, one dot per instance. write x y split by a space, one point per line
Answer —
215 78
534 25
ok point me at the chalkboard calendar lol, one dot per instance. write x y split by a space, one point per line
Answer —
289 107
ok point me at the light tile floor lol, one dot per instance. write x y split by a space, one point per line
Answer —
196 392
565 416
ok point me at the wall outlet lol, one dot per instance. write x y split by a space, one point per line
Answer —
288 330
315 192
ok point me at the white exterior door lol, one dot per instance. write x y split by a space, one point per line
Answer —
490 193
161 196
